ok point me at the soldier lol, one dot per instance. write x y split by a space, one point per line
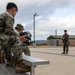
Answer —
65 39
6 31
19 28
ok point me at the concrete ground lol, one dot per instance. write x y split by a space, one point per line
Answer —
60 64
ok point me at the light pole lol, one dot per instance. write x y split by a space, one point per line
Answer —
34 44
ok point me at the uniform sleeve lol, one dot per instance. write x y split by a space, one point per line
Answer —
1 20
68 36
1 24
9 22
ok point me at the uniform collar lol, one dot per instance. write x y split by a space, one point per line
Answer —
9 14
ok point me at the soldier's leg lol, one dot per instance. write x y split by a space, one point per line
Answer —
17 51
63 48
6 48
0 53
0 50
26 50
8 56
2 56
67 49
7 51
2 60
3 42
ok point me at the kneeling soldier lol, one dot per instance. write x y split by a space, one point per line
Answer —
6 31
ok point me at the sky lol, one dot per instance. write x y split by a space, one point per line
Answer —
52 15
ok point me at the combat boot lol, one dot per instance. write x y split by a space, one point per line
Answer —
22 68
66 53
63 52
10 62
0 56
2 59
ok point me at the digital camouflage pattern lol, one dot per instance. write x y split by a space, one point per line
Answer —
6 23
25 48
6 31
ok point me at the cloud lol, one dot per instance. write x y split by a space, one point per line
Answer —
44 28
53 15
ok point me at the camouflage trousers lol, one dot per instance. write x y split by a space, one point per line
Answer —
25 49
16 49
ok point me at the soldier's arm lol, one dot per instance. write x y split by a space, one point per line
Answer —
1 24
9 22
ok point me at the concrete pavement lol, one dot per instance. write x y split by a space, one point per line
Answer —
60 64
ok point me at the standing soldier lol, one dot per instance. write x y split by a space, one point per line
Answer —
65 39
6 31
18 29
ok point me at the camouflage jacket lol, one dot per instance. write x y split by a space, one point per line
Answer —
6 24
65 38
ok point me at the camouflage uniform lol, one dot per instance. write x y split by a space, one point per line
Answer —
25 48
8 39
65 42
6 31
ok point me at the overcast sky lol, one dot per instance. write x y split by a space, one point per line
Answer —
53 15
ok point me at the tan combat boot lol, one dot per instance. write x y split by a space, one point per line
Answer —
11 62
0 56
22 68
2 59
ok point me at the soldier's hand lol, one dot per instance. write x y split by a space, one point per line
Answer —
22 38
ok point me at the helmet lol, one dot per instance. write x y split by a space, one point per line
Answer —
19 26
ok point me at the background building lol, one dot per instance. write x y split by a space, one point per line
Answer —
53 40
